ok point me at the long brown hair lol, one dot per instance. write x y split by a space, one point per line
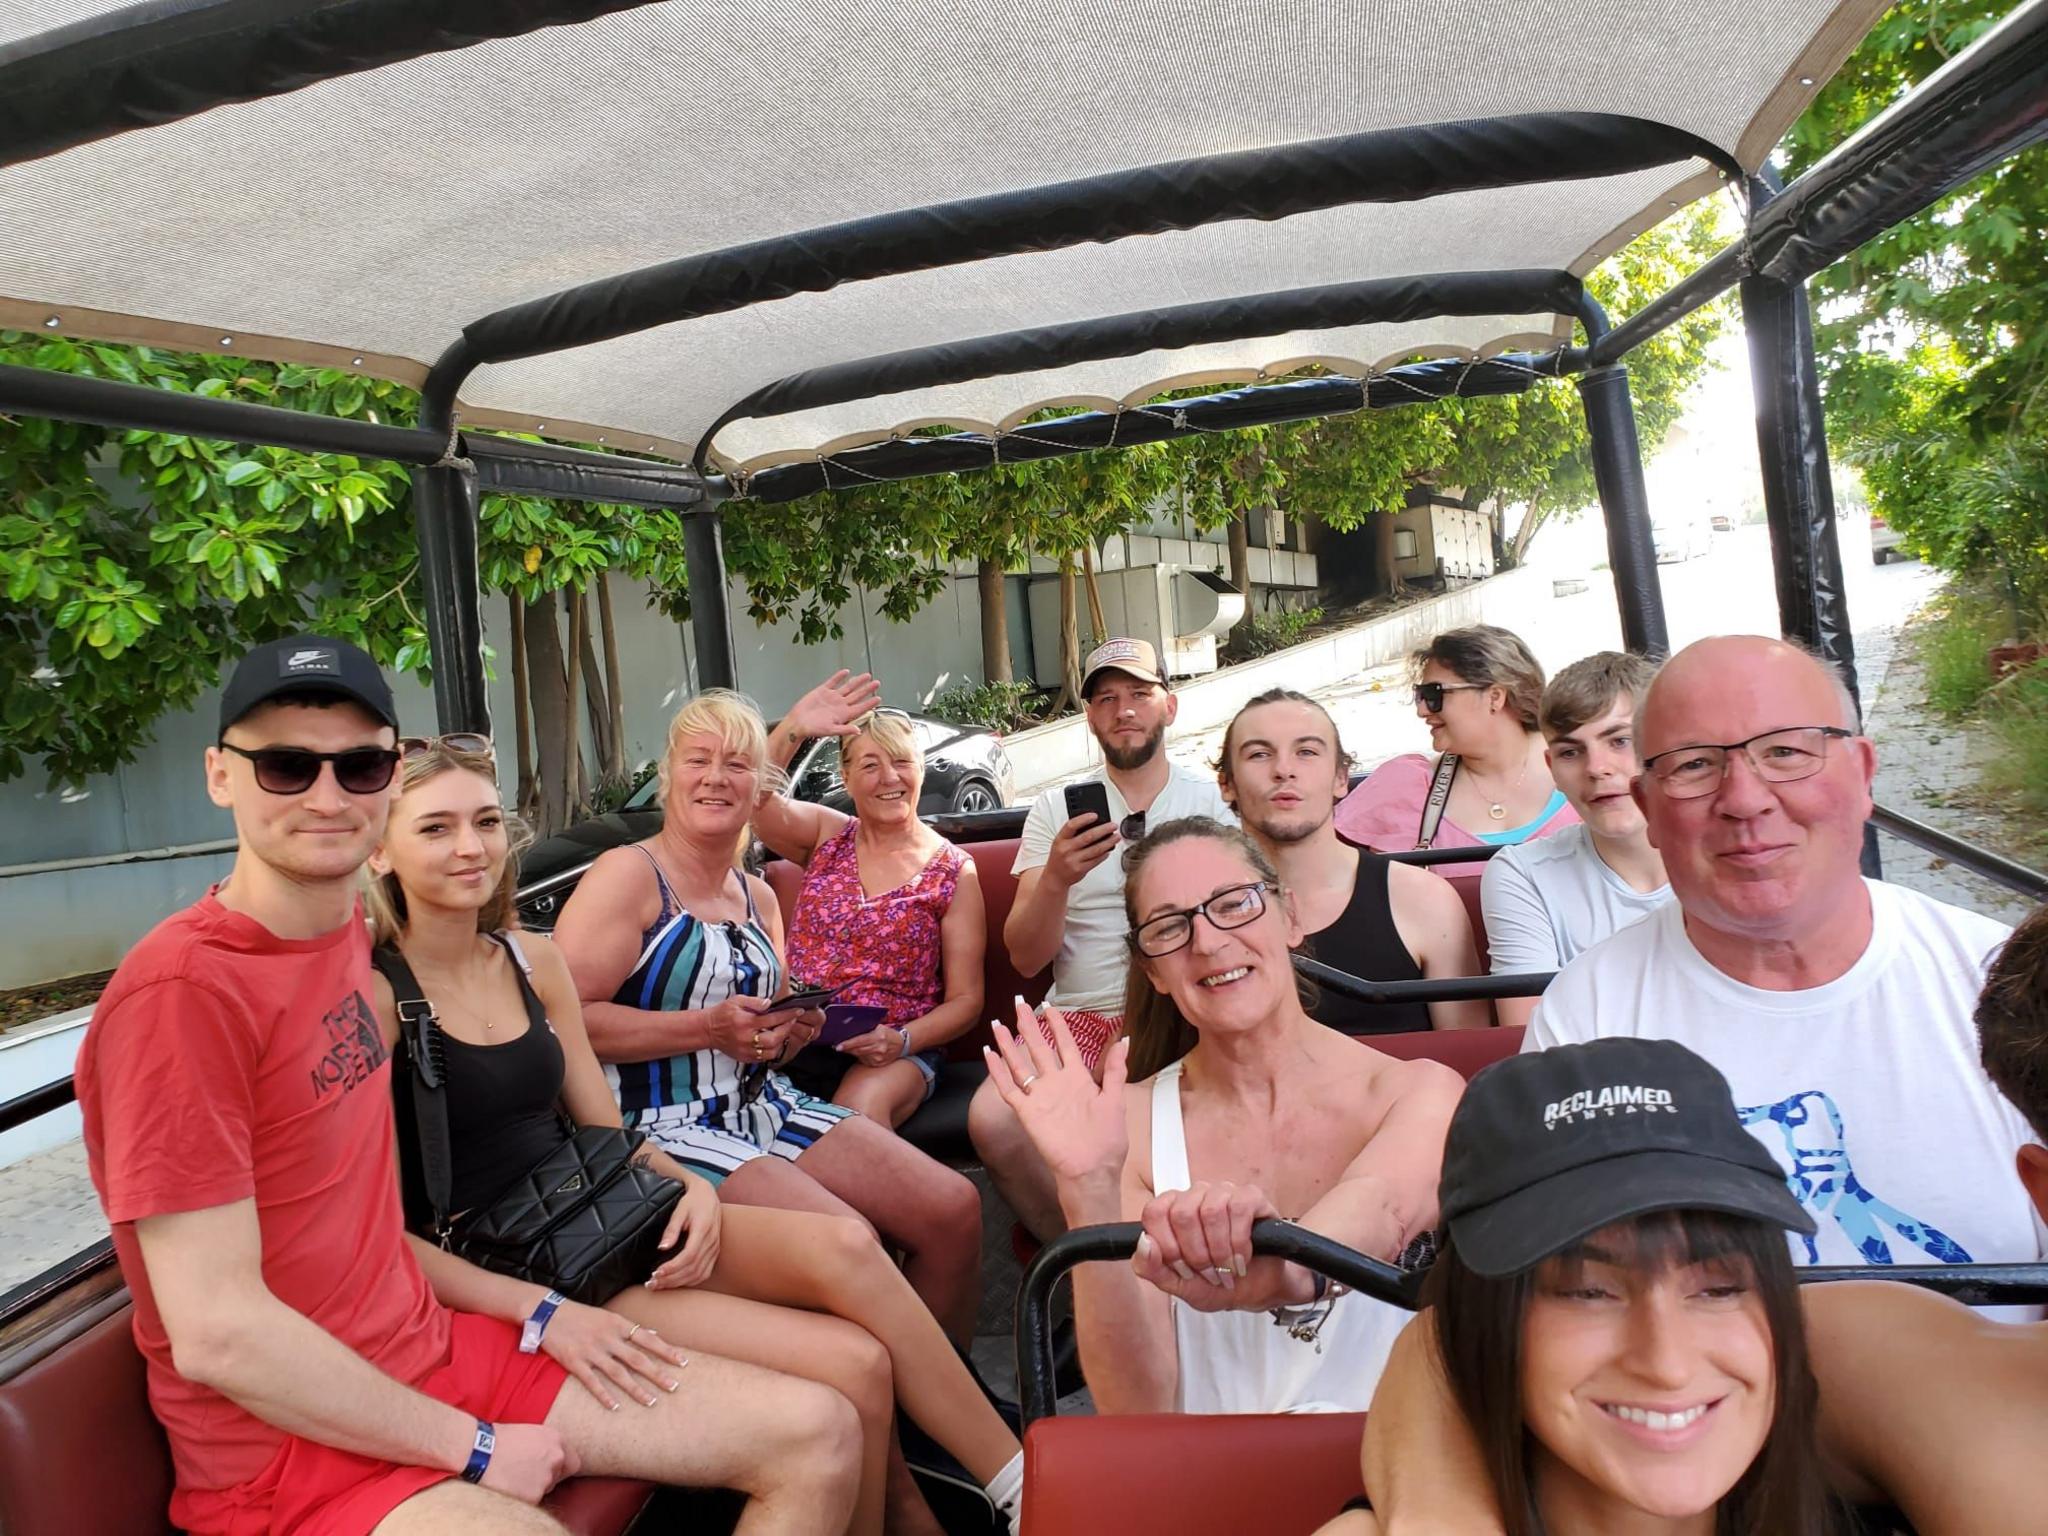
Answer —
1159 1035
384 897
1479 1322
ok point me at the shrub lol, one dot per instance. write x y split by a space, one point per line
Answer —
999 706
2019 724
1953 647
1269 632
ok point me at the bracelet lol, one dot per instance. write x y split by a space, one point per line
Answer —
480 1452
537 1324
904 1031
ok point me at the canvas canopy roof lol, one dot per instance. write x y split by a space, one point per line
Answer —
1013 207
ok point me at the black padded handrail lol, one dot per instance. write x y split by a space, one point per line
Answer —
1444 989
36 1103
1117 1241
1976 1285
1999 870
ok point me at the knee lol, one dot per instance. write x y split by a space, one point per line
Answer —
953 1201
871 1381
991 1126
846 1247
824 1435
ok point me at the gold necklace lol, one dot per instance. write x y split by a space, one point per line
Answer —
1497 809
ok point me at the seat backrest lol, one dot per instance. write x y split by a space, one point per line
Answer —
1466 1049
1464 879
1000 981
79 1448
1276 1474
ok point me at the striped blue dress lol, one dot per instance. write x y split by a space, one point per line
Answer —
707 1110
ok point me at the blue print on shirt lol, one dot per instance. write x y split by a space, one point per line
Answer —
1826 1185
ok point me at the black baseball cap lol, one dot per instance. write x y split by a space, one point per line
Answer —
1550 1147
307 664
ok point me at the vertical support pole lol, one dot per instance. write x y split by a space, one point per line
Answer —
444 516
1625 506
1799 494
710 619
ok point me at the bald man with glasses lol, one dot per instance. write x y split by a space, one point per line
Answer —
1837 1007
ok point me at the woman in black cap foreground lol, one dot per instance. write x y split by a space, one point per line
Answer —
1615 1312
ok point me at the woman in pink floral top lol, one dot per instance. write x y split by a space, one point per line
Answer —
887 905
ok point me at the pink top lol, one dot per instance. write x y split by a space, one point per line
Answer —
889 942
1385 812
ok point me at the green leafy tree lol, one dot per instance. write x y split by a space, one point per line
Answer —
1933 337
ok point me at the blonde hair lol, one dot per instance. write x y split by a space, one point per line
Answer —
384 895
893 733
736 721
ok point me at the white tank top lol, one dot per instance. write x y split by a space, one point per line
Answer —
1244 1362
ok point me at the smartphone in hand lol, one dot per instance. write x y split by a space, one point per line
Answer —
1088 799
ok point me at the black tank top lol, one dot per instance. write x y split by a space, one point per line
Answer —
1364 941
504 1109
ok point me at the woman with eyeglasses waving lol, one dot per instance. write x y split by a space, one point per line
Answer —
1224 1104
1477 689
745 1298
890 911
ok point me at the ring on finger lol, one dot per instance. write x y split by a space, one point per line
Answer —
633 1330
1024 1084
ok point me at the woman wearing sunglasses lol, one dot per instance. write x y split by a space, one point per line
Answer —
1478 690
812 1296
1615 1312
1225 1103
890 911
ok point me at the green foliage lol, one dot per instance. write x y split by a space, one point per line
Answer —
1933 337
133 565
999 706
1264 633
2018 768
1959 632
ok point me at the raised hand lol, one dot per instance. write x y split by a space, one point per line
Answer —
1076 1124
831 708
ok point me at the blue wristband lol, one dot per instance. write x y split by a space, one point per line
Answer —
480 1452
537 1324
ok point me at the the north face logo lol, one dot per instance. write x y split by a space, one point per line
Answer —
318 658
1590 1103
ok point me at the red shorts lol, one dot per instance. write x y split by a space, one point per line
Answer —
1092 1032
311 1489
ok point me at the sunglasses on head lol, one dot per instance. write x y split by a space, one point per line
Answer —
410 747
1431 695
294 770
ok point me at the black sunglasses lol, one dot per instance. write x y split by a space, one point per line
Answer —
1431 695
1132 827
294 770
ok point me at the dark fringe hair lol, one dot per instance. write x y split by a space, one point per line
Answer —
1159 1035
2012 1020
1479 1321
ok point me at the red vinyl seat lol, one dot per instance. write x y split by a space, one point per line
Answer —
80 1451
1191 1474
1466 1049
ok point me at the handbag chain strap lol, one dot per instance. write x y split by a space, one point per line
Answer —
416 1025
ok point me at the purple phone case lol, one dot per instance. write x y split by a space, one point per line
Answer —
845 1020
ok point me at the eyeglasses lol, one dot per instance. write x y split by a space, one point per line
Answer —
1431 695
410 747
294 770
1169 931
1778 757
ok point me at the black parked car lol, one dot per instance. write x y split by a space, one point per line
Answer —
965 769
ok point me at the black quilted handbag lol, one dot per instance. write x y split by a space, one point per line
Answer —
585 1220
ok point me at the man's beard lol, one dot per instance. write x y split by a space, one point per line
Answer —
1285 834
1126 759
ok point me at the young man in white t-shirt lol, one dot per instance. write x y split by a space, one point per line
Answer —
1546 900
1068 911
1838 1008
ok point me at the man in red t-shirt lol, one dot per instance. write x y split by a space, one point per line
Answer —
237 1103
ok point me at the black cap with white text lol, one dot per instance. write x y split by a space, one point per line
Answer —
307 664
1549 1147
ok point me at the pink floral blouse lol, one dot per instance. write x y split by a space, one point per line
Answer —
887 945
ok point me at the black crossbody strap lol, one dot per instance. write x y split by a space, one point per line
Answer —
1439 797
416 1026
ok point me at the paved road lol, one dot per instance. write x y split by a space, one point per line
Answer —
1726 592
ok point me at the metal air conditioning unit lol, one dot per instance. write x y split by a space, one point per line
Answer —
1182 610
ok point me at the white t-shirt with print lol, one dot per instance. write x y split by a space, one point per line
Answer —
1093 961
1868 1090
1548 900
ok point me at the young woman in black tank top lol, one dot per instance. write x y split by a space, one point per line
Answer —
791 1294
